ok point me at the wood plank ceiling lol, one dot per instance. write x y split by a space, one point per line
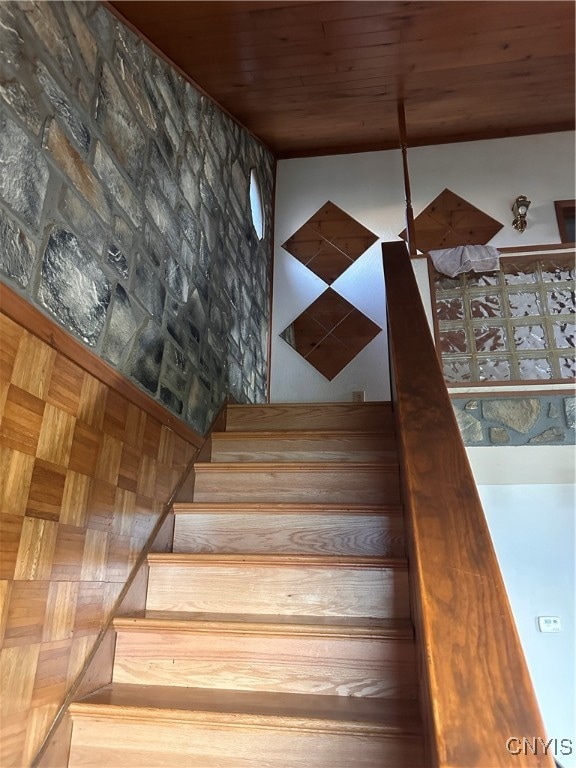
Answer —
322 77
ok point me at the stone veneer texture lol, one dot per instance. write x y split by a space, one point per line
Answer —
530 420
124 208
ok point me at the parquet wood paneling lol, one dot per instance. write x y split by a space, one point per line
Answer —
84 477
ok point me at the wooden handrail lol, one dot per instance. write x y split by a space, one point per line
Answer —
476 691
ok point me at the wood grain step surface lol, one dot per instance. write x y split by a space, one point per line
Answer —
291 710
297 530
341 626
279 584
304 446
326 482
367 417
155 726
358 662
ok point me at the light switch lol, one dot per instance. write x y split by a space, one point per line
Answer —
549 624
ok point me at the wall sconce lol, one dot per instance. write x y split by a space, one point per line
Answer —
520 211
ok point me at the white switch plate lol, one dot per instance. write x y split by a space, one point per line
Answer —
549 624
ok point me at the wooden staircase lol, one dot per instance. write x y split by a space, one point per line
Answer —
277 633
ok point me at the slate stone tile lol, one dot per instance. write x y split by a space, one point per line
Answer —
169 90
193 102
116 185
162 174
101 21
72 287
122 327
189 187
117 260
162 215
82 38
147 288
78 216
209 227
128 67
196 406
189 225
75 167
208 196
45 20
146 357
120 126
194 153
23 172
66 113
155 245
570 411
175 358
171 401
150 89
187 257
176 280
12 40
165 144
14 93
222 138
17 252
123 235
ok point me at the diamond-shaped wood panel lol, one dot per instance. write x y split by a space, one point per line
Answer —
330 333
449 221
329 242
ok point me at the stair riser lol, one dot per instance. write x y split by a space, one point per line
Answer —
301 590
378 534
370 417
230 447
159 744
337 486
249 662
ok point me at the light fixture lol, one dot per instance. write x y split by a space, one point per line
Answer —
520 211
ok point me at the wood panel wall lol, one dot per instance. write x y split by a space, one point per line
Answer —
84 477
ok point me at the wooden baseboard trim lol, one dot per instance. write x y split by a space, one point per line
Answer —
32 320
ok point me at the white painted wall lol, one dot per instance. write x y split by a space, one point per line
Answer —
528 492
369 186
532 527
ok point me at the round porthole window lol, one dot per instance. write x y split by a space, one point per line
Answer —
256 207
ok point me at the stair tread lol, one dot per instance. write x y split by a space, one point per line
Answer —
318 561
294 466
197 621
394 716
229 507
297 433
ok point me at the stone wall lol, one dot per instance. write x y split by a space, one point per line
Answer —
124 208
530 420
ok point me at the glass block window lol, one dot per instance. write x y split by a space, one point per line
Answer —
515 325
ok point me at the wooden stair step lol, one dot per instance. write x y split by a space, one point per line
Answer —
279 584
303 445
368 417
156 726
329 482
295 710
341 626
289 528
355 661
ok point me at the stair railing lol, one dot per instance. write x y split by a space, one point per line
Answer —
478 703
